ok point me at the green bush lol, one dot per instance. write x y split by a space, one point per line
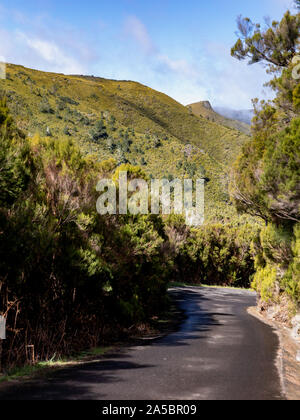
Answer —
99 132
291 281
14 159
69 276
213 254
266 283
276 244
45 107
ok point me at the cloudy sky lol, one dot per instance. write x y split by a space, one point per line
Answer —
178 47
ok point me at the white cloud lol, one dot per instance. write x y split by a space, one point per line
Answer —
232 83
214 76
51 54
136 29
42 42
178 66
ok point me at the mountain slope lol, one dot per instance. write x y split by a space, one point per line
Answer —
127 121
204 109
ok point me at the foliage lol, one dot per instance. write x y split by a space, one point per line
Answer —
266 177
265 283
99 131
13 156
68 276
276 45
213 254
291 282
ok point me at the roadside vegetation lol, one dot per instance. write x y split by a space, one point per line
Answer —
266 177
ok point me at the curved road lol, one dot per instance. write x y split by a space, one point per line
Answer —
219 353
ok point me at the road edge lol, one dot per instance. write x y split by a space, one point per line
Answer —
286 363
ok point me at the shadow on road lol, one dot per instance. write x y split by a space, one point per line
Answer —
198 322
74 383
217 344
78 382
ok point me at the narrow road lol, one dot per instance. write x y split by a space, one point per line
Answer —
220 352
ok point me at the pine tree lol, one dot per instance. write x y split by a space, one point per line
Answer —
276 45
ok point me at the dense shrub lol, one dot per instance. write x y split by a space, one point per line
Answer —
45 107
68 276
291 281
99 132
213 254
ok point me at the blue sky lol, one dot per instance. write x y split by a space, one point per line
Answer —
179 47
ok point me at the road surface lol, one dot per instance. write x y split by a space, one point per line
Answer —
220 352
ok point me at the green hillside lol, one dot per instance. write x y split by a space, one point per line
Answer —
127 121
204 109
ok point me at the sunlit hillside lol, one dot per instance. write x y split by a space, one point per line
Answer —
127 121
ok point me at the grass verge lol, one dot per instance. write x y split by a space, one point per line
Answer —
46 367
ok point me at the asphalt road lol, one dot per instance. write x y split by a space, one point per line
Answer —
220 352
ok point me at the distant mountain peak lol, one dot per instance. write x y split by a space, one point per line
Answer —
207 105
204 109
201 104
